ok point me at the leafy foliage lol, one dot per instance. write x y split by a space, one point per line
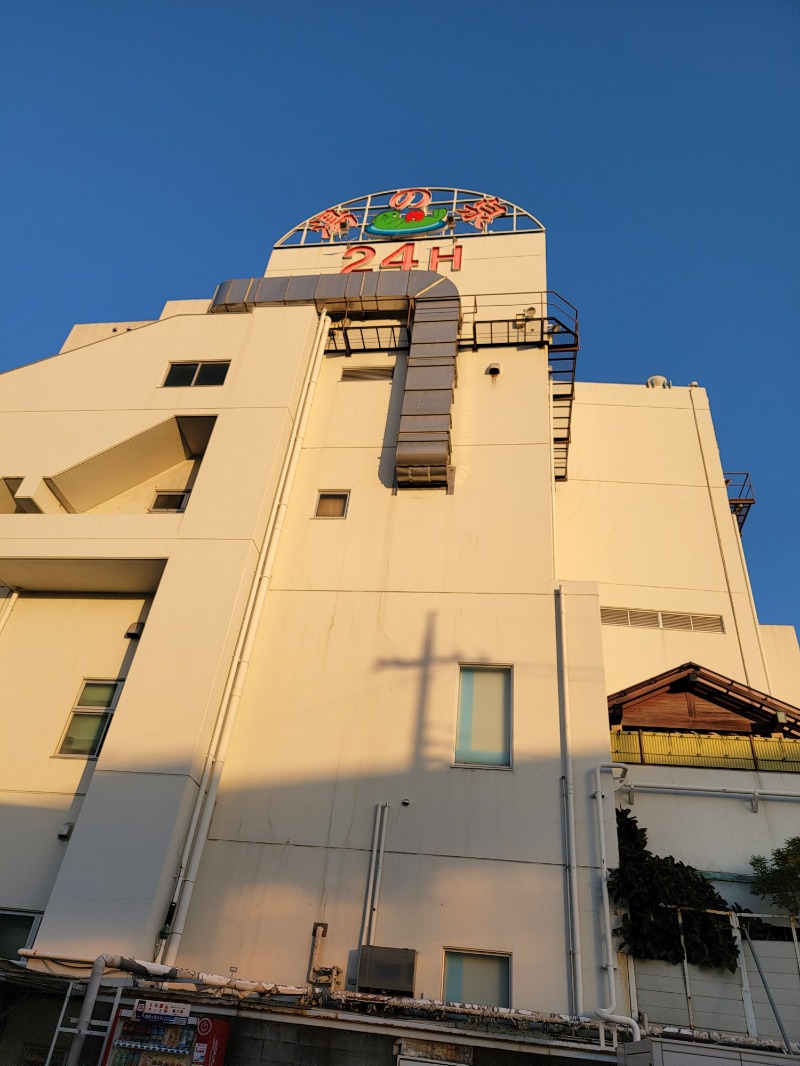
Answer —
651 887
778 880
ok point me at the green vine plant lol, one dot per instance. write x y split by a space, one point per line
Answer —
778 879
651 887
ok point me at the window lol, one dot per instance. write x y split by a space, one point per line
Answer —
170 500
483 734
90 717
182 374
475 977
332 505
17 930
368 373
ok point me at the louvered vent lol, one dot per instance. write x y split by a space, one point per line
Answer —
638 619
368 373
707 623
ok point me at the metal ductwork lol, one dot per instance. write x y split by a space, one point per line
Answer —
433 307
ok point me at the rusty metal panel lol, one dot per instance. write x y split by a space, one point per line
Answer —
428 403
430 377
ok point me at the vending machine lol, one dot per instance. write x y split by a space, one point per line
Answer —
162 1033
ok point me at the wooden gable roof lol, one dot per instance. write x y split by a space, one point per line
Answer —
693 698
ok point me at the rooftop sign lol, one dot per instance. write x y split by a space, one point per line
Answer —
409 214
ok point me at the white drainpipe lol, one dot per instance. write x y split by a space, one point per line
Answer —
223 729
607 1014
569 796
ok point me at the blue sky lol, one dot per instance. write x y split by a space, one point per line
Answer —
155 149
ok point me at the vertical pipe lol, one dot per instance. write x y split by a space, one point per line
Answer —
376 891
608 1013
373 862
569 794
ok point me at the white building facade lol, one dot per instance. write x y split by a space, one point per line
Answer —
333 599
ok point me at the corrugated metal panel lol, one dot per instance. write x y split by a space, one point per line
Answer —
697 749
625 747
777 753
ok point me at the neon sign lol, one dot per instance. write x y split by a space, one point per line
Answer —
402 258
416 220
412 214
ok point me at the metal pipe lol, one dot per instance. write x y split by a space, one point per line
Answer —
201 817
6 608
608 1013
736 793
87 1009
373 912
766 987
573 910
373 862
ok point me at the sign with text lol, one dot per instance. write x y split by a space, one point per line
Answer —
411 214
154 1010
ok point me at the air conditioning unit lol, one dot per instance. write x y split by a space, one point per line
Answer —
389 971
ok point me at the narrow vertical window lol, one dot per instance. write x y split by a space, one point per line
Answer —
483 734
474 977
90 718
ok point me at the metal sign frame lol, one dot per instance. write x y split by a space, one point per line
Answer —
453 213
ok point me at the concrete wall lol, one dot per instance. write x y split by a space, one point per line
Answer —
645 514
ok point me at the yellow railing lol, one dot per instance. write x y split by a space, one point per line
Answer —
694 749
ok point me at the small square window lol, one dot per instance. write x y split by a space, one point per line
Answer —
332 505
483 732
90 718
475 977
170 501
